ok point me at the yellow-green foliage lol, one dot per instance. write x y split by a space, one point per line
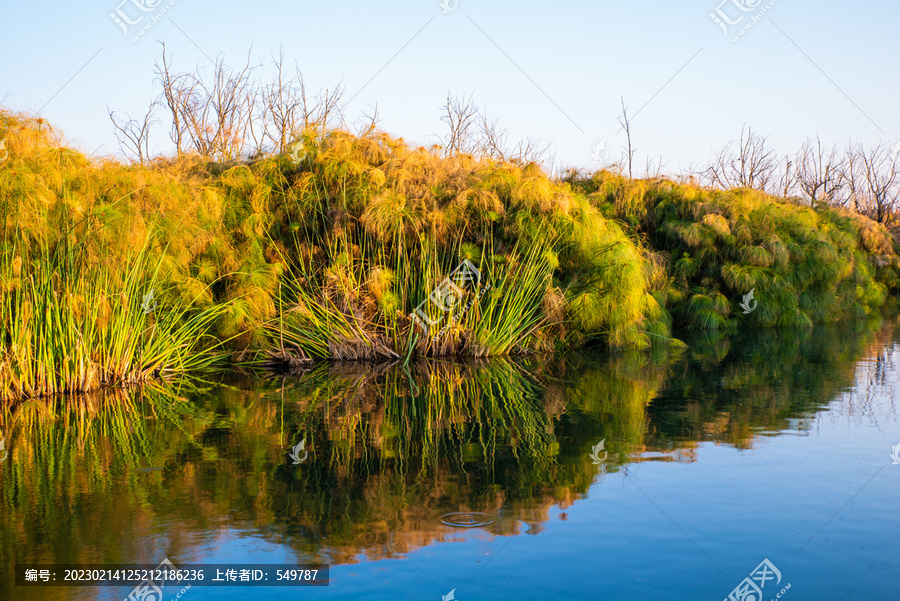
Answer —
619 196
553 262
331 255
803 265
49 193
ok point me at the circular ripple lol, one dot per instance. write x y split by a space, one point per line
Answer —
467 519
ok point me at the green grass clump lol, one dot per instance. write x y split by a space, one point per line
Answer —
325 258
79 252
71 327
367 228
803 266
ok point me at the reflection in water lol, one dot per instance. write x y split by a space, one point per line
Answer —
397 457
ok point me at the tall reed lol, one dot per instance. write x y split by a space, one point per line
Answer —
69 326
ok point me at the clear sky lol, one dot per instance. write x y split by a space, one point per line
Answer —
553 71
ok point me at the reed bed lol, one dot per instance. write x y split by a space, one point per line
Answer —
368 231
348 254
67 327
712 248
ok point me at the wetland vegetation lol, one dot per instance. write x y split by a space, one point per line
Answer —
322 244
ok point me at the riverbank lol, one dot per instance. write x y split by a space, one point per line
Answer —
364 248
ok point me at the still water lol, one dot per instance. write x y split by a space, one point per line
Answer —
486 481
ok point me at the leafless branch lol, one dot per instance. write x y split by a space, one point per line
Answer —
754 165
880 177
461 116
625 122
133 134
818 172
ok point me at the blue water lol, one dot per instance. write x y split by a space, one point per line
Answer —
743 453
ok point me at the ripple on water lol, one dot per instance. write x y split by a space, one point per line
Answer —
467 519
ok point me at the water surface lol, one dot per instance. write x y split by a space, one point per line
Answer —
760 446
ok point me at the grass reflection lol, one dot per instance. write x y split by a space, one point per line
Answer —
160 471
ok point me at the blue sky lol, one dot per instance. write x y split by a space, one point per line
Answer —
553 71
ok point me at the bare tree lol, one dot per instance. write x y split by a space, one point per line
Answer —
288 110
689 176
133 135
786 178
880 176
324 110
653 167
257 121
177 89
625 122
853 178
215 117
368 123
226 115
491 143
753 166
282 108
461 117
226 111
818 172
472 132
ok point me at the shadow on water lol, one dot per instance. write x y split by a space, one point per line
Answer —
392 458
